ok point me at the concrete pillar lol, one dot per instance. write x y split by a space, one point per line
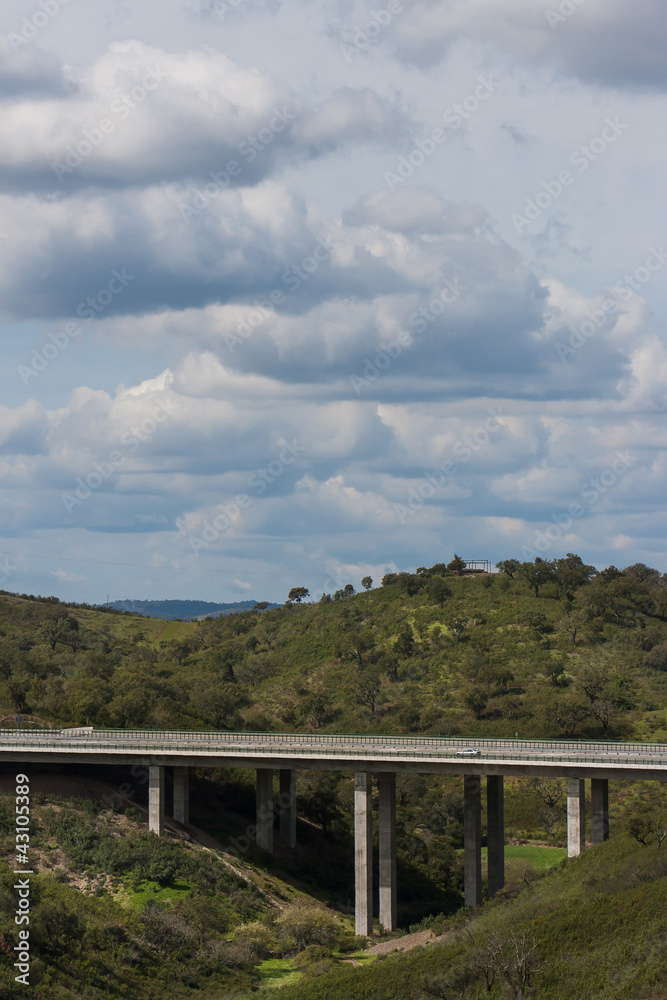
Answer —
576 817
156 800
265 809
363 854
182 794
472 839
387 848
495 832
287 806
599 810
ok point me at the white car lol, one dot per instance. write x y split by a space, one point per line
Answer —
468 753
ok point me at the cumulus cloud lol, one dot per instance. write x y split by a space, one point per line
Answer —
617 43
378 372
125 124
28 71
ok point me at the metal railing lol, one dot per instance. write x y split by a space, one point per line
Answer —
325 739
311 746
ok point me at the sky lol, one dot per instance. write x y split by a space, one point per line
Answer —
292 293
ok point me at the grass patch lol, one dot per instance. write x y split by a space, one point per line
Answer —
541 858
275 972
152 891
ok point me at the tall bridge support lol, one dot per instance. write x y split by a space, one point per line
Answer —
599 810
495 836
182 794
576 817
265 809
156 800
387 848
363 854
287 807
472 840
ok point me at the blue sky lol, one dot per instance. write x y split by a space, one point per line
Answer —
293 293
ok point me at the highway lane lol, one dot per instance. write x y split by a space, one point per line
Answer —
342 752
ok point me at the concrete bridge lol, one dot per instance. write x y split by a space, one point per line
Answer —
365 756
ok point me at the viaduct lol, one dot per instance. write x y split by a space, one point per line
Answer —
365 756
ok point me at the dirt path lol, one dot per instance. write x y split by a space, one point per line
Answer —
400 944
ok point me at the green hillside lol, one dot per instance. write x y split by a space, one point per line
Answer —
593 928
430 652
543 649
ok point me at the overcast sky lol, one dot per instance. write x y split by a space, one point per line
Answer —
292 293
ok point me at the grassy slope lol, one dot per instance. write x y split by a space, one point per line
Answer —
295 668
599 923
189 934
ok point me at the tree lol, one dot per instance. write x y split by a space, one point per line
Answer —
509 567
592 679
438 590
356 642
657 658
551 791
298 594
405 643
603 711
571 622
517 961
457 565
660 830
368 687
476 699
567 716
411 583
367 582
457 626
261 606
536 573
570 573
60 628
318 797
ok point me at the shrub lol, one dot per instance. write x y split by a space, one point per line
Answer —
657 658
303 924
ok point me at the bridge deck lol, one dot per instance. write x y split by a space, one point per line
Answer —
338 752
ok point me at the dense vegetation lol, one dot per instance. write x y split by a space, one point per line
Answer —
117 911
540 649
594 928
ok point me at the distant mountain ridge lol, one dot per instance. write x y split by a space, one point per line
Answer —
169 610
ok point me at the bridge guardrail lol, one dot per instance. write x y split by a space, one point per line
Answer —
646 758
324 739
